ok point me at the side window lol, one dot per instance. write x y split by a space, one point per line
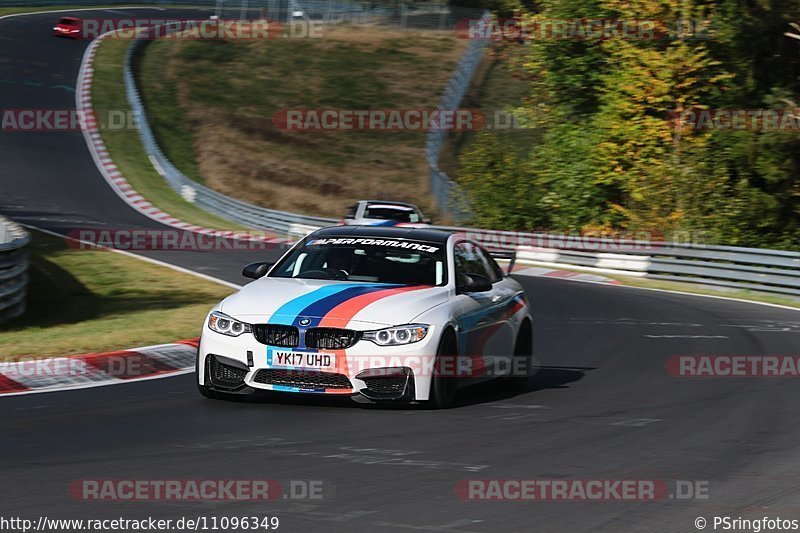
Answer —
491 265
469 260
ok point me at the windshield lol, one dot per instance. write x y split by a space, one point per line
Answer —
402 214
374 260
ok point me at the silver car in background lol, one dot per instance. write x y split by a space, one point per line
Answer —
383 213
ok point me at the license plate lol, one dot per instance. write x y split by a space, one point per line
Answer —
285 358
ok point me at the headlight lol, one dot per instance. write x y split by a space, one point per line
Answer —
222 323
397 335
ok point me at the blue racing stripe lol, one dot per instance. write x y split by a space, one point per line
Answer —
288 312
318 303
317 310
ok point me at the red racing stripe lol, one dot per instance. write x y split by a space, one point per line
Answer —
487 333
340 315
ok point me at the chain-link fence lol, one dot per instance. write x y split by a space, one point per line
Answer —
449 198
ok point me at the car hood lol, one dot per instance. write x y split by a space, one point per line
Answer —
331 303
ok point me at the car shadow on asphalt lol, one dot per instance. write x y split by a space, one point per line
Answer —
546 377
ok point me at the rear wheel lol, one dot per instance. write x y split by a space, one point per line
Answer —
523 358
443 386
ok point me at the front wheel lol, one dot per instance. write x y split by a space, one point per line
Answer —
519 378
443 386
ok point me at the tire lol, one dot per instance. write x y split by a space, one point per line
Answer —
443 388
523 357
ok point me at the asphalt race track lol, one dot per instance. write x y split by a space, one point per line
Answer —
602 406
48 179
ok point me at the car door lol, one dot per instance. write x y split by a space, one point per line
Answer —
506 302
481 325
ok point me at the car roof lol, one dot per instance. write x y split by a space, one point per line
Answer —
388 203
70 18
419 234
396 207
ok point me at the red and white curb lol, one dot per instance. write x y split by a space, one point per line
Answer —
112 174
95 370
563 274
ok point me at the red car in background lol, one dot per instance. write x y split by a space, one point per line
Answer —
68 27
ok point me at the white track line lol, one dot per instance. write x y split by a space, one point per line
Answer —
141 258
683 293
99 384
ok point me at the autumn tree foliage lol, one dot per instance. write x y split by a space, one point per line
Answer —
609 149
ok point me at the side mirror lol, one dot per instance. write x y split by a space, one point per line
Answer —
473 283
426 220
510 256
256 270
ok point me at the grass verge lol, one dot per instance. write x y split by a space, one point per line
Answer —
125 147
87 301
212 104
694 288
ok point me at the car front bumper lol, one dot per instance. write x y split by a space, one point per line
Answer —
378 373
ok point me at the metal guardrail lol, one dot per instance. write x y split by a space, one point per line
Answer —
724 266
449 199
776 271
224 206
13 269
